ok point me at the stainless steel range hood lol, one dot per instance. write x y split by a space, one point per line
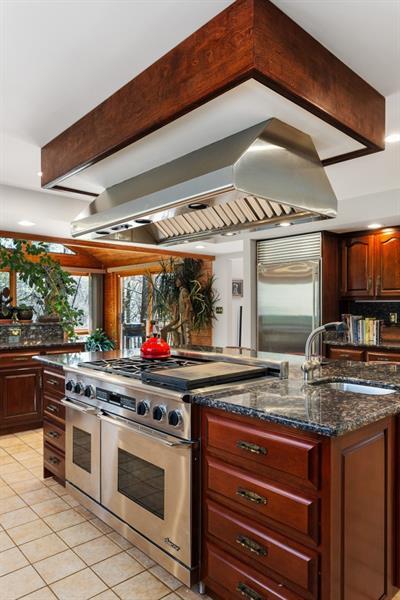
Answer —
253 179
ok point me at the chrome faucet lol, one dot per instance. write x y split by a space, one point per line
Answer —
313 362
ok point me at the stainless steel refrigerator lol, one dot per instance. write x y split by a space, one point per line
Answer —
288 292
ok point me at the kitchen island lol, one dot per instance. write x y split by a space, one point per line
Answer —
299 484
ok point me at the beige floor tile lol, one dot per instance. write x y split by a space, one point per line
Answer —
37 496
18 448
79 586
21 582
5 541
30 463
73 502
59 566
6 492
36 472
107 595
26 454
11 560
117 568
85 512
172 596
50 507
78 534
42 594
141 587
18 476
58 489
187 594
11 467
6 441
97 550
166 577
145 560
6 459
27 486
17 517
29 531
64 519
121 541
3 452
43 547
11 503
104 528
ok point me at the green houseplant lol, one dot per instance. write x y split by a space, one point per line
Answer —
98 341
52 286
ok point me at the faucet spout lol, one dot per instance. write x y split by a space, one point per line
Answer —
311 363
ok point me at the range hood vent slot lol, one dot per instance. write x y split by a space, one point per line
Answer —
254 179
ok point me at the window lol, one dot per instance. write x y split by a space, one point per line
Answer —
135 299
55 248
28 296
4 279
80 300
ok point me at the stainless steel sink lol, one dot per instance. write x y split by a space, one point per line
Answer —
355 388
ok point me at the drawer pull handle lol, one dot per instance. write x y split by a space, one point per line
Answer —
251 545
251 496
247 592
250 447
52 434
51 408
54 460
52 382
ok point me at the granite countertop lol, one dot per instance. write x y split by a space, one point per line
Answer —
291 402
381 346
32 344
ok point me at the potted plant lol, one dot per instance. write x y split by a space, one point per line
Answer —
24 312
53 286
98 341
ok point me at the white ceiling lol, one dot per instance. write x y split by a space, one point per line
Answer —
60 58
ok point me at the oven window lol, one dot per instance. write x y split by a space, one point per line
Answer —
81 448
141 482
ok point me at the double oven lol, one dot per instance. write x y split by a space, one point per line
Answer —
139 474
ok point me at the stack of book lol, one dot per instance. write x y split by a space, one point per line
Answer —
363 331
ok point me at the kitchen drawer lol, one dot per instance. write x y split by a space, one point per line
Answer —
345 354
53 384
232 580
293 456
53 409
54 435
264 548
264 497
54 461
383 356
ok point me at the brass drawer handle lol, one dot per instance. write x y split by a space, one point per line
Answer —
53 434
51 408
251 496
250 447
52 381
54 460
251 545
247 592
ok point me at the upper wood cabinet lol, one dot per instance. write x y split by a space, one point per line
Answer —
358 266
387 267
371 265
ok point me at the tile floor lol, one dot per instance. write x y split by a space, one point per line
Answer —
52 547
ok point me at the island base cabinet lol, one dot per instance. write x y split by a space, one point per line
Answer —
354 552
20 399
53 424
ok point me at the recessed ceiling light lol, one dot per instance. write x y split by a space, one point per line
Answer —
285 224
200 247
40 173
392 138
26 223
374 225
229 233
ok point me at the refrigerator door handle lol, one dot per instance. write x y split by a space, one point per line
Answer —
316 318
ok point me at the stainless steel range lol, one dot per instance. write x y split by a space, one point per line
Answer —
132 447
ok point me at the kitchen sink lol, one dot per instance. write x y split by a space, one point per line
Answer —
355 388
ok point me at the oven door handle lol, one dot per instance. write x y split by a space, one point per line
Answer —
139 429
88 410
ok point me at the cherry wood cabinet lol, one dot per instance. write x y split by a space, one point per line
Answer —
269 533
20 398
362 354
370 265
53 424
345 354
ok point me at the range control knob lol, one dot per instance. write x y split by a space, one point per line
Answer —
143 409
78 389
70 385
90 392
175 418
159 413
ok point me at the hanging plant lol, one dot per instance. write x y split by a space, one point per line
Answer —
52 287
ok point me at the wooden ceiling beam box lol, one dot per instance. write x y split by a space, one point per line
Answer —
250 39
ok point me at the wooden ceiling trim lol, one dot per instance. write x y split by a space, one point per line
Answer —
249 39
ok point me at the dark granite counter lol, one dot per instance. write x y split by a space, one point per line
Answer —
35 344
291 402
382 346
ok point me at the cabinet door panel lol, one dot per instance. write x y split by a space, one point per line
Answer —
358 266
345 354
388 264
20 397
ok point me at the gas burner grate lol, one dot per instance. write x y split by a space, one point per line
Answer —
134 367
